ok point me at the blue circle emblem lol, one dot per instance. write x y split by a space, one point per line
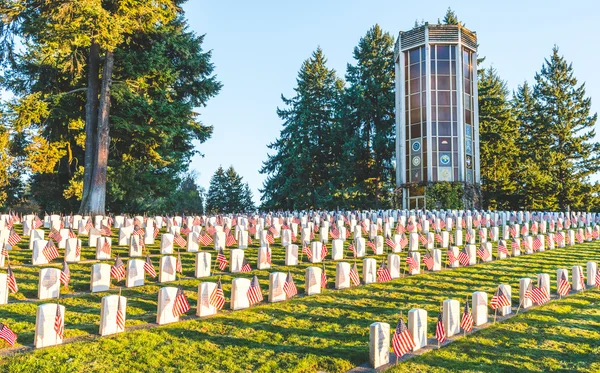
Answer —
445 159
416 146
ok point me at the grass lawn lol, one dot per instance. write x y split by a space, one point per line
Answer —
326 332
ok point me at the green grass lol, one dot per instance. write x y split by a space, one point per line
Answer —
323 332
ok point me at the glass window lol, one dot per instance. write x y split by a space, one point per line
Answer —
414 70
443 52
433 82
443 83
467 86
443 67
444 114
415 116
443 98
415 100
444 129
414 85
414 55
432 51
415 131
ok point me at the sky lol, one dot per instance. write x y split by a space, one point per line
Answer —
258 47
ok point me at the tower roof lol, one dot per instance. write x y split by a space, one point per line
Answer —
442 34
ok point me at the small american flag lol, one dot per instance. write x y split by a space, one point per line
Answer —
180 240
335 233
230 240
65 274
483 254
185 230
391 244
438 237
120 316
138 231
353 249
468 237
106 247
179 264
37 222
254 293
403 241
11 280
467 319
354 277
499 300
217 297
579 237
428 260
515 245
372 246
402 341
423 239
412 264
50 251
104 230
156 231
8 335
268 251
222 260
537 244
440 331
383 273
306 250
289 287
13 238
149 268
463 257
563 285
55 235
451 257
502 248
581 278
181 304
400 229
72 234
539 295
323 277
118 269
59 323
324 251
513 231
245 266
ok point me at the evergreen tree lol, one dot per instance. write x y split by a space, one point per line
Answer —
300 173
450 18
227 193
566 131
498 149
367 173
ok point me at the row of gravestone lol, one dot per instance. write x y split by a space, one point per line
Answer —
379 340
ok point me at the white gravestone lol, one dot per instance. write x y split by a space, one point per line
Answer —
416 256
262 260
507 310
360 247
203 263
472 253
71 250
166 300
413 241
451 317
100 253
219 242
337 249
437 260
524 284
239 293
135 273
49 283
166 243
342 275
315 249
312 283
108 314
205 289
417 326
455 251
37 258
167 266
192 243
125 235
379 344
480 308
93 237
100 279
393 264
237 259
45 335
291 255
135 246
577 274
276 282
592 269
369 271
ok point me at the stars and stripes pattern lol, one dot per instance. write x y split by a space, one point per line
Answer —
59 323
428 261
118 269
597 279
463 257
466 323
324 251
181 304
55 235
581 278
179 240
105 231
563 285
306 250
499 300
412 263
8 335
178 263
502 248
391 244
440 331
451 257
222 260
13 238
11 281
289 287
65 274
372 246
383 273
120 316
323 277
402 341
537 244
403 241
230 240
72 234
245 266
217 297
149 268
254 293
205 239
539 295
483 254
354 277
106 247
50 251
353 249
156 231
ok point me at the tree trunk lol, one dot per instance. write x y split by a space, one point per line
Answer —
91 124
98 186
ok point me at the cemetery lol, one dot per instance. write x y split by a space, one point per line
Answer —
417 213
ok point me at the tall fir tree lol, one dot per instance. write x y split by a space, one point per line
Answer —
450 18
567 131
498 149
367 173
300 174
227 193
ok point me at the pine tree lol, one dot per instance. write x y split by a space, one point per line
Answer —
227 193
498 149
566 131
300 173
450 18
367 164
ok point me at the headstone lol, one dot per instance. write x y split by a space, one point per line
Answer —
100 279
124 235
528 244
71 250
369 270
516 247
524 284
472 252
205 289
507 310
239 293
203 263
237 260
37 258
108 314
166 243
3 288
167 273
416 256
45 335
413 241
393 264
337 249
543 280
102 254
360 247
276 282
577 275
312 283
49 283
135 273
417 326
166 300
378 245
437 260
342 275
480 308
135 246
291 255
455 251
379 344
592 269
219 240
315 249
451 317
263 258
93 236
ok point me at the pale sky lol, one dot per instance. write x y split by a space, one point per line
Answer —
258 48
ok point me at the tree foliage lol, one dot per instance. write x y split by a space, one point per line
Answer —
227 193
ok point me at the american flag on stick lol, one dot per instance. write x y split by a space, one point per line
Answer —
13 238
149 268
59 323
466 322
499 300
353 249
440 331
50 251
8 335
222 260
254 293
483 254
11 280
306 250
65 274
412 263
181 304
245 266
383 273
391 244
539 295
289 287
428 260
178 263
120 316
180 241
463 257
324 251
217 297
451 257
402 341
354 277
564 287
323 277
105 231
118 269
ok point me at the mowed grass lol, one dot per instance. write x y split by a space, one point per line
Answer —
326 332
